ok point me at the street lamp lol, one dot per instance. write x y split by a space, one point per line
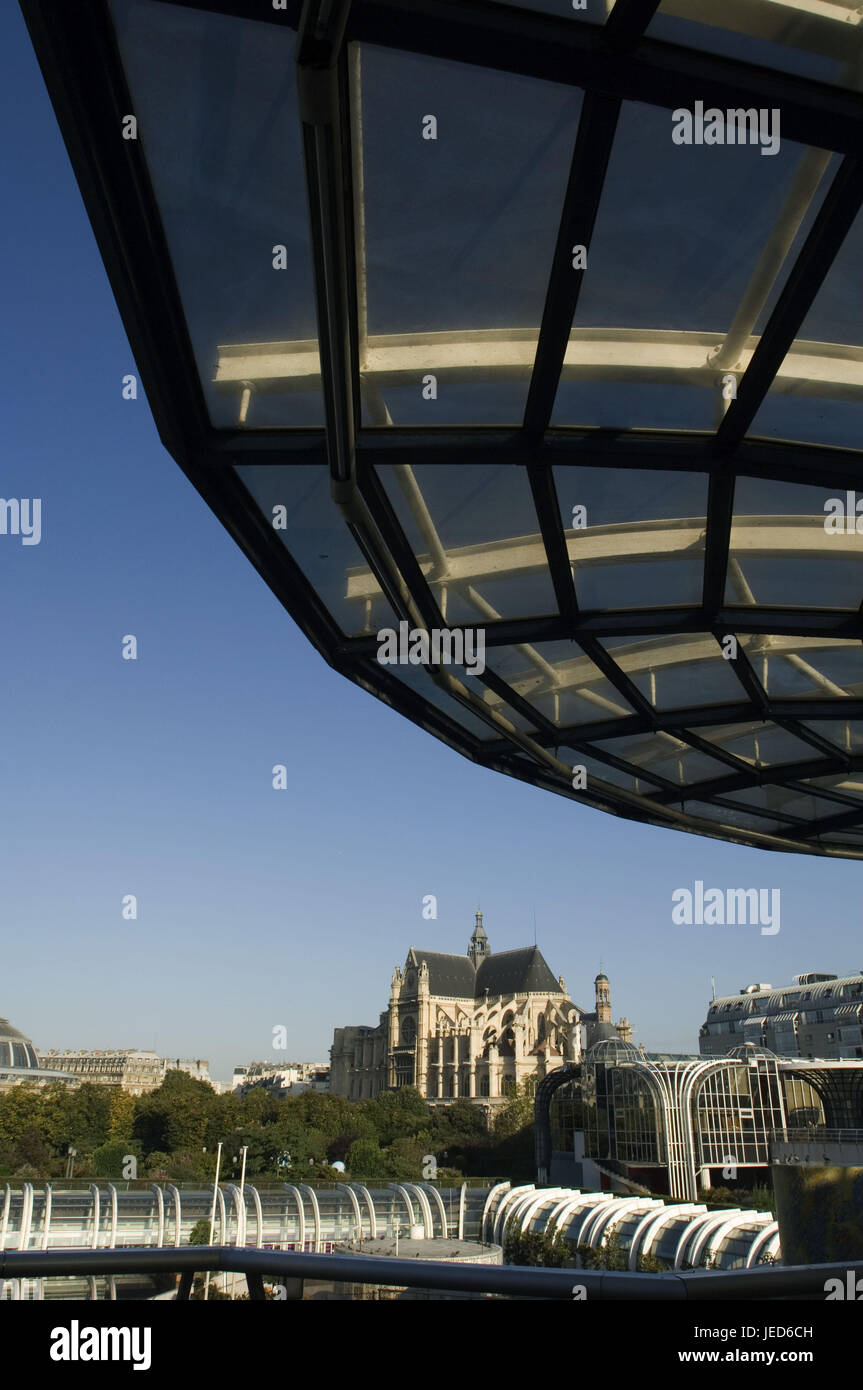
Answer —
213 1215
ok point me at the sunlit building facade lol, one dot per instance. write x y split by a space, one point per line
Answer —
817 1016
683 1124
474 1026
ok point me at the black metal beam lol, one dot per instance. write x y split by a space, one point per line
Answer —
641 623
554 49
778 775
628 22
326 151
551 527
621 682
742 668
587 172
700 716
833 222
827 824
720 510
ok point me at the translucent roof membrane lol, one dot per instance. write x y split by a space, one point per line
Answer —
817 395
578 485
216 104
463 174
821 39
669 265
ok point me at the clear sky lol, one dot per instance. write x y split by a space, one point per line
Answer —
260 907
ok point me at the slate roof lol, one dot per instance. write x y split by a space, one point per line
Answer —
506 972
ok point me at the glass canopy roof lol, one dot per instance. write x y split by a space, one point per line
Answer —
536 328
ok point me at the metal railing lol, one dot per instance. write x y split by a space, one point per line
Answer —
291 1269
818 1136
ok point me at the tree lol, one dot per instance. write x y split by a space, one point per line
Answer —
200 1233
365 1160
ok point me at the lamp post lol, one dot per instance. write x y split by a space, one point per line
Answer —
213 1214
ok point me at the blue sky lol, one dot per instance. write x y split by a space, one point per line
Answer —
258 907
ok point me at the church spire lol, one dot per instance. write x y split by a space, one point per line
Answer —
479 947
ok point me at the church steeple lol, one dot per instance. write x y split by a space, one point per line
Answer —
479 947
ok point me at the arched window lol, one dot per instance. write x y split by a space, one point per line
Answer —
483 1086
409 1031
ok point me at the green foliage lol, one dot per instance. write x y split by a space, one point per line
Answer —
537 1248
174 1132
200 1233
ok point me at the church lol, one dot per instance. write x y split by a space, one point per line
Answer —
472 1026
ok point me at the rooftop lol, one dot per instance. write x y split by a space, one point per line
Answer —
461 328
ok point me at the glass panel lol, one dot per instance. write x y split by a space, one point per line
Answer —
676 672
216 103
782 801
475 532
666 756
312 530
820 40
464 172
730 815
419 680
668 265
598 771
781 553
845 733
761 744
636 538
559 681
804 667
818 392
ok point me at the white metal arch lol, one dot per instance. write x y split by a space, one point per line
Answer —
370 1206
490 1204
301 1215
178 1213
762 1239
115 1213
355 1206
654 1224
313 1199
47 1204
701 1246
687 1237
433 1192
425 1208
594 1228
7 1207
580 1206
515 1214
259 1215
405 1196
536 1203
501 1216
160 1214
94 1193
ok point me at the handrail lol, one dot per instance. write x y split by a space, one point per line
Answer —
770 1282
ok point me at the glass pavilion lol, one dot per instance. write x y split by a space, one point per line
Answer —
451 333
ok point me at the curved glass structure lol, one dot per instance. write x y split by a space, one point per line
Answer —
521 352
679 1234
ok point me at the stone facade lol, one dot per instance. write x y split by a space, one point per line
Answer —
473 1026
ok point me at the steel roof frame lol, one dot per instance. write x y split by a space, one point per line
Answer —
612 63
